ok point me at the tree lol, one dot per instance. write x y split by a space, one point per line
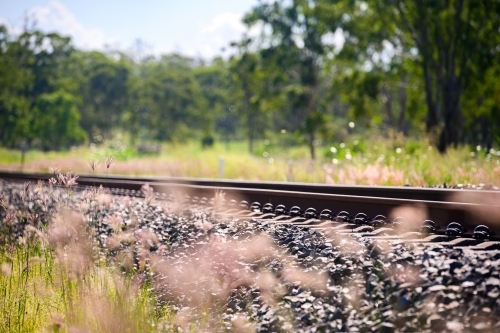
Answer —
101 85
454 42
214 81
30 67
249 91
482 123
168 90
14 80
292 53
55 121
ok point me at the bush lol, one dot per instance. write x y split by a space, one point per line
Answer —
207 141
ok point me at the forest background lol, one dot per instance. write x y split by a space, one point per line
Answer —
420 69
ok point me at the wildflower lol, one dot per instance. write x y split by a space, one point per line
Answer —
109 159
105 200
84 207
126 260
219 200
241 323
65 228
127 202
52 181
9 217
413 216
75 329
69 180
126 238
204 225
39 188
33 218
315 282
148 193
116 221
54 170
3 201
57 321
113 244
147 238
93 163
31 229
166 209
6 269
88 195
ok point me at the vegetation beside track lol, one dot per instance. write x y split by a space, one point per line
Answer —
361 161
41 295
54 277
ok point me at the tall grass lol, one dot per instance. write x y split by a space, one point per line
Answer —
41 291
54 277
360 161
39 294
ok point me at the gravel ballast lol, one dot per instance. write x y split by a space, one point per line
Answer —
253 274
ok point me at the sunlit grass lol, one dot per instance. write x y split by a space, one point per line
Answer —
359 160
38 294
14 156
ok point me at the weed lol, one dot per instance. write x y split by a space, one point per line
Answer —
369 161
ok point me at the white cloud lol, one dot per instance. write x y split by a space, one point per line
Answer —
222 30
55 16
13 29
210 41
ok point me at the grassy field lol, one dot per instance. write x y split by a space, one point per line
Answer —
363 161
39 294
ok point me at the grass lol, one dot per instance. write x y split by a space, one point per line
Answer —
359 160
56 276
40 294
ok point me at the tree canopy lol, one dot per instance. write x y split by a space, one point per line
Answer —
410 66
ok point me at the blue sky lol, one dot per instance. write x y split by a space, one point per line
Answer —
192 27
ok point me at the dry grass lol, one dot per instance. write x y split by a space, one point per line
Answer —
53 279
369 162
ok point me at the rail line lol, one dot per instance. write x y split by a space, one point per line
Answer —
391 265
303 204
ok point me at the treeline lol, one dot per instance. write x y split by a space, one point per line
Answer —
404 66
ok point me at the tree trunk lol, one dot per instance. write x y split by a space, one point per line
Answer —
251 132
432 113
388 106
251 118
402 106
486 137
312 148
432 103
453 118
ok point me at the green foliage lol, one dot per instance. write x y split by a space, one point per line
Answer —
57 121
101 87
291 64
166 98
416 68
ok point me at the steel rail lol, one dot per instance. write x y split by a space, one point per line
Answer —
302 195
396 192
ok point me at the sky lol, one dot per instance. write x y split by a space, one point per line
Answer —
198 28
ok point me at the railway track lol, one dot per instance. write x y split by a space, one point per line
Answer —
364 209
382 273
